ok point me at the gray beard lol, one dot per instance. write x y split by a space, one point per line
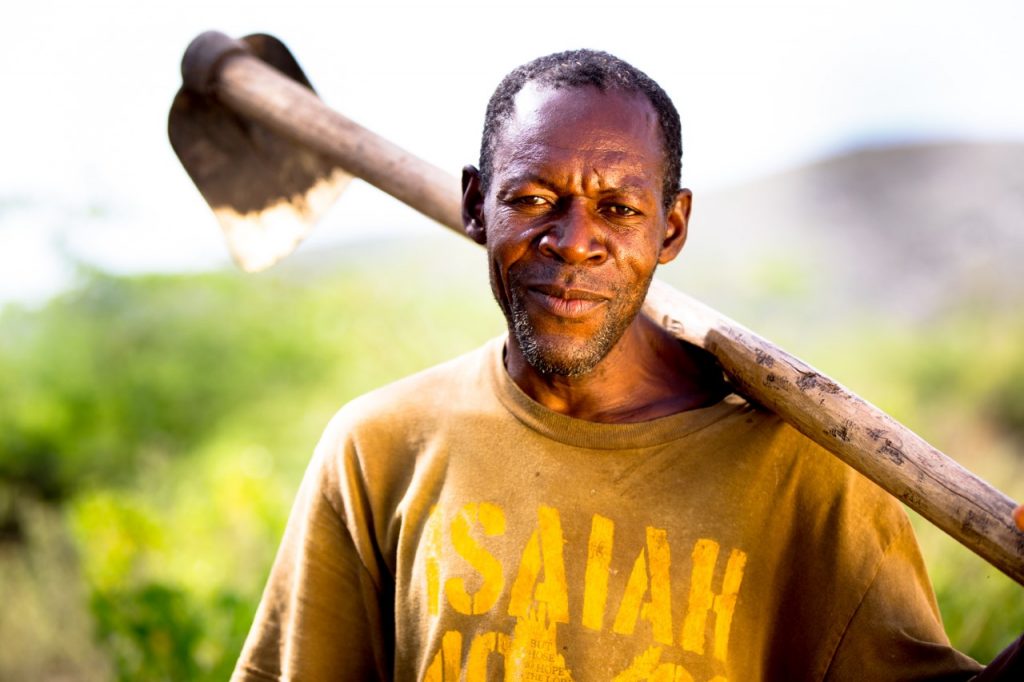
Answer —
582 359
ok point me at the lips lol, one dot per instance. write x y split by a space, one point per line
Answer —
562 302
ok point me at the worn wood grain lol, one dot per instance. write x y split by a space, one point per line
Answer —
860 434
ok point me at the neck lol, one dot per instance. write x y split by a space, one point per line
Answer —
646 375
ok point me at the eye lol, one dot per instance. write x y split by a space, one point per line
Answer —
530 204
621 210
530 200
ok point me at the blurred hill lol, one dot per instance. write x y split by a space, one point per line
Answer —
907 233
910 232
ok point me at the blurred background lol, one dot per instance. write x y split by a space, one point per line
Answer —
858 171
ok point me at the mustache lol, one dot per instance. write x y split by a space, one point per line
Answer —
565 276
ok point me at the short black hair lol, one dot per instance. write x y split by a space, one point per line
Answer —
579 68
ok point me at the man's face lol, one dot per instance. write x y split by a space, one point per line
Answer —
574 222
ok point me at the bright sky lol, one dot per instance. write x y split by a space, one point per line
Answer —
760 85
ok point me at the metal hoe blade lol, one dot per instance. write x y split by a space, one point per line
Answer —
266 191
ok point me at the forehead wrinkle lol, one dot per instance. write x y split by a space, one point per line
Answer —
535 159
615 146
611 143
538 169
628 188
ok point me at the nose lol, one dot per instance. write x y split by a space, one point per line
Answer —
573 238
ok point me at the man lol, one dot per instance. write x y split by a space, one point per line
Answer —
585 499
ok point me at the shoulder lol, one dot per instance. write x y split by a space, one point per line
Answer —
393 440
822 535
834 483
823 495
425 397
848 521
385 435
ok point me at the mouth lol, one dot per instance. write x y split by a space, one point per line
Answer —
562 302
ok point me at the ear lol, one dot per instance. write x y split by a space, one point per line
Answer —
473 205
677 220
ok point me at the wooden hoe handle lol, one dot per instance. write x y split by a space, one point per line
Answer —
860 434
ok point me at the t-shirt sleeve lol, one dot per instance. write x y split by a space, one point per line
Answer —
896 633
319 617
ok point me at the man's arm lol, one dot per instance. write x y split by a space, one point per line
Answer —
319 617
896 632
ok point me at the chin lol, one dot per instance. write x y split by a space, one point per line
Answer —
564 365
558 355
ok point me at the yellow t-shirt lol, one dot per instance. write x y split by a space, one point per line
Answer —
450 528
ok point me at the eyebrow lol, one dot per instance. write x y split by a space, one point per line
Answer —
527 179
627 189
534 179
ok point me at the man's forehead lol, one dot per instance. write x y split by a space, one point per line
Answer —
611 134
540 105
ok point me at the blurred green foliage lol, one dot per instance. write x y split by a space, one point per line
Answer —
156 429
121 370
167 420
